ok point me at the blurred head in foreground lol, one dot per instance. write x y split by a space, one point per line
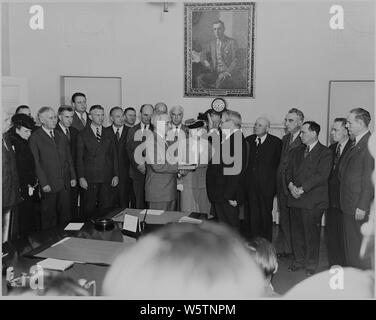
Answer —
186 261
266 258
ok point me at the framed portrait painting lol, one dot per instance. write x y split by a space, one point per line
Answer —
219 49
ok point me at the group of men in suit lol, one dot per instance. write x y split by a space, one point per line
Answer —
312 179
77 158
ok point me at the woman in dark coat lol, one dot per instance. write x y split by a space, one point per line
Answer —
26 220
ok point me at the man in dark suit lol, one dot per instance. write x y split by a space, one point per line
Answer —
334 215
293 122
307 180
135 142
81 118
65 115
97 163
356 190
263 160
225 182
120 196
54 169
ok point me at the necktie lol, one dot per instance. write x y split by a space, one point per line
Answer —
117 134
337 156
291 138
98 135
258 142
52 135
352 143
176 133
83 120
67 134
306 152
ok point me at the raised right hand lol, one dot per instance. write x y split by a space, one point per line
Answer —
83 183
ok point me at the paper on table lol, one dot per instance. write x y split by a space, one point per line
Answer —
152 212
55 264
130 223
190 220
74 226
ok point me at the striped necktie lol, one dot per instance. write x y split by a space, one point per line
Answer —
98 135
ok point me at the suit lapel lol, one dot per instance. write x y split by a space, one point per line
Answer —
309 158
358 147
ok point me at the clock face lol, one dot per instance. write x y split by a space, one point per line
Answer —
218 104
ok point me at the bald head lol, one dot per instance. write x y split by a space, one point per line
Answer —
160 107
262 126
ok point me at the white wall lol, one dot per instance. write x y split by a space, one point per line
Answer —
296 53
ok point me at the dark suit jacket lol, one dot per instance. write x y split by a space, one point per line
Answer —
263 162
122 155
53 161
10 191
131 146
283 164
77 123
97 162
226 180
355 171
72 143
312 174
333 178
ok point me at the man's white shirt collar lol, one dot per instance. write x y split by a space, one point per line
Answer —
82 115
295 135
94 128
262 138
48 131
144 126
342 145
63 128
312 145
357 138
116 129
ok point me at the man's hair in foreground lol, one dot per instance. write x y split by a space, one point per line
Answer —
77 94
64 108
265 255
234 116
43 110
362 114
128 109
186 261
313 126
299 113
96 107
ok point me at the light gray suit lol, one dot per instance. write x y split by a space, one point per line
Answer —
161 176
